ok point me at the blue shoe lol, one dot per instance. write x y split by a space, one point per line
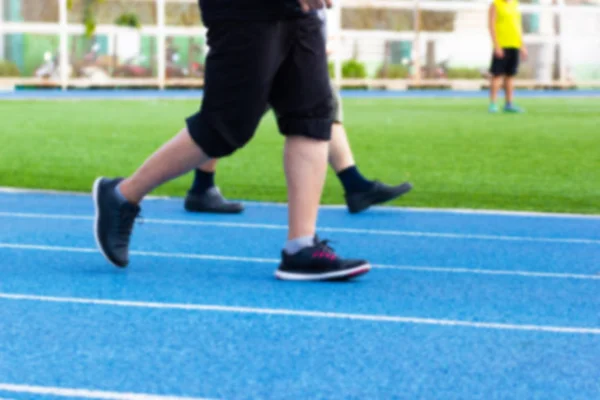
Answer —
493 108
509 108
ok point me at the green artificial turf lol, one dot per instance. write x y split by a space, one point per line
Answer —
452 150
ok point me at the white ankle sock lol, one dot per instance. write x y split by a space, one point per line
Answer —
295 245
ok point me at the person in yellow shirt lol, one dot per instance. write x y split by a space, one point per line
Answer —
507 38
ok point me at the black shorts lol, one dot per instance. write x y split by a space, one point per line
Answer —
337 109
251 64
507 65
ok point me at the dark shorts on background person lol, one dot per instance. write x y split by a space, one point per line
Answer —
252 64
507 65
337 109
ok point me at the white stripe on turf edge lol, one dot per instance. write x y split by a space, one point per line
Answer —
303 313
209 257
509 213
381 232
87 394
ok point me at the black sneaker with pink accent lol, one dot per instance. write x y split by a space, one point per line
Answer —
319 263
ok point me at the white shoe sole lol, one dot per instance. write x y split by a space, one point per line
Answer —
346 274
97 220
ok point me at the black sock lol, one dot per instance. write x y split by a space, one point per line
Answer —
202 181
353 181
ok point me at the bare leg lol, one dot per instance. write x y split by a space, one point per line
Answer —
303 258
340 153
360 192
494 87
175 158
509 89
341 160
210 166
305 162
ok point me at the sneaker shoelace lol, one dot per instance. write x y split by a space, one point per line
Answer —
323 250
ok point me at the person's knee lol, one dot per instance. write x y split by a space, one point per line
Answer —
306 149
215 139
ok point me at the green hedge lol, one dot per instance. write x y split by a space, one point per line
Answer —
354 69
394 71
464 73
8 68
351 69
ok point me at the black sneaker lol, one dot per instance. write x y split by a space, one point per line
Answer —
211 201
379 193
114 221
319 263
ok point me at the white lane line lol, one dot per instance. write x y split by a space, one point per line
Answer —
380 232
258 260
468 211
303 313
87 394
433 210
478 271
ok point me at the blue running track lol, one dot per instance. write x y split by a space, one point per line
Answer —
460 305
145 94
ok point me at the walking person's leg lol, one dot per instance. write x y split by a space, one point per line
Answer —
495 84
360 192
511 69
237 86
497 74
233 105
205 196
302 100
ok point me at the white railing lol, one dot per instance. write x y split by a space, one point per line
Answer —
338 36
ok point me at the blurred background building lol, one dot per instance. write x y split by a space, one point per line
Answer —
386 43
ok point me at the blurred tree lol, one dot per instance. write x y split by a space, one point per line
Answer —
107 11
88 14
